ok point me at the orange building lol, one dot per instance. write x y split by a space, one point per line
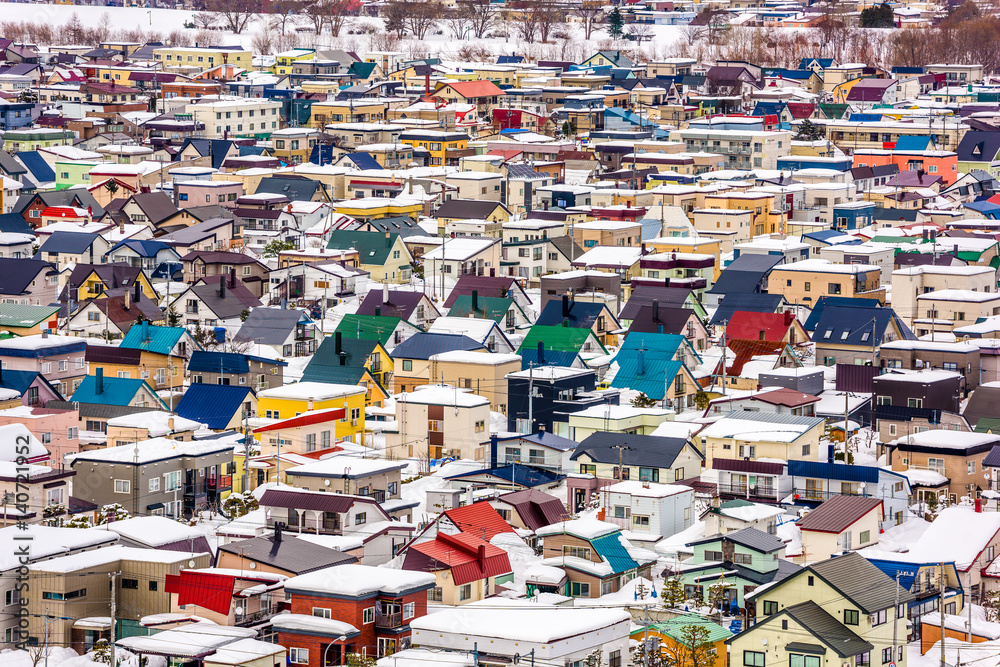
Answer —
940 163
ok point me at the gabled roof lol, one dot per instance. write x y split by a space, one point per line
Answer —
486 307
289 554
467 556
750 325
749 537
271 326
468 209
668 320
646 362
213 404
566 339
73 243
116 391
423 345
401 303
978 147
153 338
487 286
157 206
645 450
860 582
373 247
16 274
295 188
371 327
235 299
536 508
746 350
863 327
644 295
747 302
581 314
822 626
745 273
479 519
203 361
19 381
839 513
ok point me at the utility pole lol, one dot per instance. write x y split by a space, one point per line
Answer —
941 610
114 610
531 397
722 344
895 622
47 637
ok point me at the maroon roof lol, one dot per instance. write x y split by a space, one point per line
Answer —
741 465
838 513
536 509
787 397
299 500
492 286
258 213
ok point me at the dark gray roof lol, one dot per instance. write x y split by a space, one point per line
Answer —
827 629
295 188
16 274
290 554
982 403
68 242
645 450
749 537
271 325
400 304
423 345
860 581
745 273
156 205
643 295
467 209
524 171
748 302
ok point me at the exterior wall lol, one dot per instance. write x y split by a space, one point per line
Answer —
806 287
668 515
346 429
804 448
956 467
486 380
818 546
686 465
51 427
458 433
890 429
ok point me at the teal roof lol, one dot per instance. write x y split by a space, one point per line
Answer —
157 339
674 628
117 391
487 307
610 548
646 363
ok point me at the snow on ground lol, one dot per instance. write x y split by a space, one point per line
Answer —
67 657
900 538
520 555
416 491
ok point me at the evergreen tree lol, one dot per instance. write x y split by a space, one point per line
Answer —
643 401
616 24
809 131
673 592
877 17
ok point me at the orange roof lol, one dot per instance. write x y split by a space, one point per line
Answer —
469 89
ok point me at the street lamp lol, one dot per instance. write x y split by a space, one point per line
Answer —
341 638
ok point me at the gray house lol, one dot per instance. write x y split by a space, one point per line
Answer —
288 332
157 476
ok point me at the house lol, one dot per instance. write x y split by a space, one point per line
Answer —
280 554
649 511
502 310
384 256
173 341
956 456
782 327
42 492
412 357
487 332
113 314
381 602
541 450
924 580
646 458
466 568
428 414
594 316
464 255
238 599
77 588
845 606
352 361
220 407
675 639
251 271
726 516
529 509
750 359
659 365
28 320
780 401
159 259
350 475
214 301
231 368
138 426
32 388
816 482
290 333
117 391
28 281
852 330
759 435
161 372
744 559
842 523
61 359
483 373
488 286
388 331
187 475
302 397
414 307
596 557
65 249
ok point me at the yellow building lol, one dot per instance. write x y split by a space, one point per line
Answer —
197 57
345 111
293 145
94 286
806 281
292 400
373 208
437 143
283 61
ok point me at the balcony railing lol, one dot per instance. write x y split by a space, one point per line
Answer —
821 494
389 620
741 491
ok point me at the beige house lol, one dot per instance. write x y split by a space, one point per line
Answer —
842 523
757 435
438 420
912 282
140 426
806 281
607 233
942 310
351 475
483 373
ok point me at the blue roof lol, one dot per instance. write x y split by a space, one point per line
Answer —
581 314
845 325
117 391
796 74
423 345
912 143
37 165
822 62
907 570
225 362
829 234
652 370
561 358
65 348
824 301
363 160
523 475
69 242
160 339
848 473
212 404
611 549
145 248
18 381
15 224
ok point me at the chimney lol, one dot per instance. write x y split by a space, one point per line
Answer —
170 424
481 555
475 300
128 299
99 381
277 532
222 288
385 293
232 277
656 310
343 358
378 311
642 362
145 330
469 495
493 450
565 305
541 353
336 341
45 333
388 240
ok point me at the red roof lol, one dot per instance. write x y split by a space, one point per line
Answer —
750 326
60 212
479 519
468 557
745 350
469 89
205 589
314 417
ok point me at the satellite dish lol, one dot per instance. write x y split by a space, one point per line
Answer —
763 641
239 611
191 563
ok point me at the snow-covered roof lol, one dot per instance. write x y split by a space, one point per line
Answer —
98 557
958 535
355 580
158 424
647 489
48 541
443 395
524 622
946 439
305 623
154 449
311 391
352 466
244 650
154 530
587 529
476 358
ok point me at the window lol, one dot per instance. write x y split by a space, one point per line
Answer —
579 589
796 660
407 365
615 658
833 288
576 552
465 592
850 617
368 615
435 594
10 597
409 610
640 522
865 537
753 659
310 442
360 518
887 655
154 484
880 617
152 585
863 659
298 656
322 612
73 432
123 486
130 584
649 474
971 467
770 607
914 403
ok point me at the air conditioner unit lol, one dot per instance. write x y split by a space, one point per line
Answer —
354 422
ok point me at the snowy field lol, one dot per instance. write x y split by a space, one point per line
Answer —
438 42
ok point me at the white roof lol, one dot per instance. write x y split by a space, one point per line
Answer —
349 465
355 580
98 557
751 512
187 641
240 652
534 623
587 529
958 535
151 450
306 623
441 395
919 376
311 391
937 346
945 439
756 431
648 489
157 423
826 266
421 657
48 541
621 256
9 435
959 295
37 342
460 248
476 328
478 358
154 530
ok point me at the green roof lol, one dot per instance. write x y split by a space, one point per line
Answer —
14 315
564 339
896 239
833 111
970 255
372 247
368 327
488 307
674 628
988 425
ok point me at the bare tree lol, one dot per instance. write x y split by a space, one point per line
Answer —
641 32
693 33
204 20
479 14
284 12
421 16
526 22
330 13
236 14
548 14
590 13
394 13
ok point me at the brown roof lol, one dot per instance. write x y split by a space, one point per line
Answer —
787 397
742 465
319 502
838 513
536 509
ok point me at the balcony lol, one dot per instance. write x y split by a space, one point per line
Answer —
758 492
819 495
389 621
